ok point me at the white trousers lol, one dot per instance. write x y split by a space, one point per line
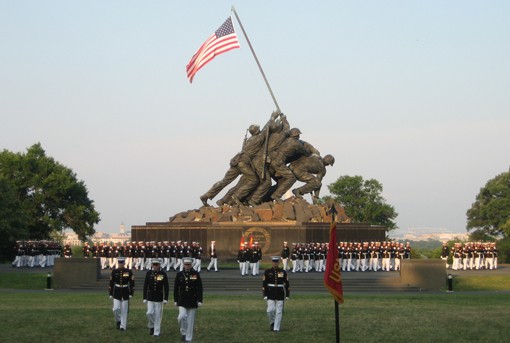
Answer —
17 262
285 262
397 263
197 264
178 264
307 266
275 313
386 264
171 263
154 316
186 320
120 312
243 267
375 264
129 262
213 263
364 264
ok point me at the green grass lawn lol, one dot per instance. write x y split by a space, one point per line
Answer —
31 315
53 316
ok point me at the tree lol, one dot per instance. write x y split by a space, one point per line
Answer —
490 213
362 201
47 194
11 218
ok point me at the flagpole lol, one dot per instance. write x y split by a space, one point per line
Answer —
333 212
256 59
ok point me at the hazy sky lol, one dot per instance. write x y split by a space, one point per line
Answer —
414 94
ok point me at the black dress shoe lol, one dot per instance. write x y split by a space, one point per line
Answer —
122 329
271 327
118 325
151 331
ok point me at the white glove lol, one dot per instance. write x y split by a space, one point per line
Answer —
199 304
165 302
175 304
286 298
130 296
111 297
265 298
145 301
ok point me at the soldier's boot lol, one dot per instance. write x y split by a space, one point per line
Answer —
204 198
237 201
297 193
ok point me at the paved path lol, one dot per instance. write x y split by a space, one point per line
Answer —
230 280
503 269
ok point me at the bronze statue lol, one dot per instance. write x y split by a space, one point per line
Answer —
310 170
274 153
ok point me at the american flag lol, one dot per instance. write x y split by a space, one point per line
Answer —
224 39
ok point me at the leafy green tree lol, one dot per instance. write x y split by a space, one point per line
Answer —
490 213
47 195
12 218
362 201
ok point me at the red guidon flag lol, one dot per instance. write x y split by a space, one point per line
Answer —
222 40
333 275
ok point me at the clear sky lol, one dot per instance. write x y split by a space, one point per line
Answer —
414 94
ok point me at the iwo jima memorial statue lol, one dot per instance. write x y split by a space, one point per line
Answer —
269 164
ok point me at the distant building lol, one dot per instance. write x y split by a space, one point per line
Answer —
424 234
71 238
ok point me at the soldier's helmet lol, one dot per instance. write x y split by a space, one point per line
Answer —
329 160
295 132
254 129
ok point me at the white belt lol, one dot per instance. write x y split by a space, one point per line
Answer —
121 286
273 285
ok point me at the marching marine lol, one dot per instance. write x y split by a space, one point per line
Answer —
122 288
188 296
155 295
275 289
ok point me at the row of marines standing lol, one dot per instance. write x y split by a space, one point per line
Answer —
140 254
471 255
36 253
356 256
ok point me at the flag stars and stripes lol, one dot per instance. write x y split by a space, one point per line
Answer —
224 39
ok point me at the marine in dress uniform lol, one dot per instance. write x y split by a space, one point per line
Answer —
155 295
285 255
188 296
242 258
275 286
213 256
196 253
445 252
86 250
293 257
122 288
